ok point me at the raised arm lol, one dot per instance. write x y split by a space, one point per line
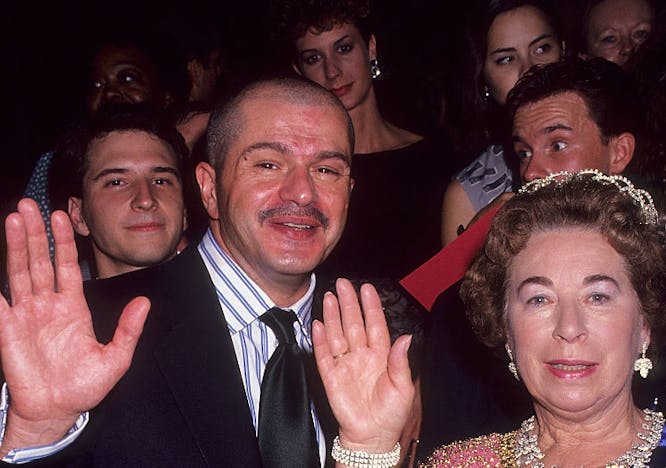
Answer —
53 364
368 382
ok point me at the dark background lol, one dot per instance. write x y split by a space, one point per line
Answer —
45 46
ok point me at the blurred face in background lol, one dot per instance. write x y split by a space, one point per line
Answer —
122 73
616 28
338 60
517 40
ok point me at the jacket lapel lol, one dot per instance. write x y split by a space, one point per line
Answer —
198 361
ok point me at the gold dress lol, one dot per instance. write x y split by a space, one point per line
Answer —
493 450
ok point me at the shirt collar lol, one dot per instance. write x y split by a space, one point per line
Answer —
242 300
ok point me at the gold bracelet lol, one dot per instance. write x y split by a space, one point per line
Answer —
362 459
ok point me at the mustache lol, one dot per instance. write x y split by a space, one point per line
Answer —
301 212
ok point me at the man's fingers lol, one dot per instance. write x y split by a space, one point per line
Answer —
128 331
352 319
39 261
322 351
398 363
375 321
68 272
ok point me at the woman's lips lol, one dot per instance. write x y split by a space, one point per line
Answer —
342 90
570 369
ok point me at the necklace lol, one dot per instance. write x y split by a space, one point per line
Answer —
528 452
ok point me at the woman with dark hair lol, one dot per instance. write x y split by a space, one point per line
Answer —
571 282
392 226
510 37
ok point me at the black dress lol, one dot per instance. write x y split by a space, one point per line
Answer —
395 210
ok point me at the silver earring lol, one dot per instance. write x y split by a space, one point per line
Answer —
512 365
643 364
374 69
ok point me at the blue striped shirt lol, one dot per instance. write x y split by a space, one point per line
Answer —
28 454
242 302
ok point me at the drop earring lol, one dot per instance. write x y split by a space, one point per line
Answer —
512 365
374 69
643 364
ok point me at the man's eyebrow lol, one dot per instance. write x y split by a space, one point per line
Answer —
109 171
266 145
541 280
121 171
552 128
168 169
334 155
284 149
600 278
128 63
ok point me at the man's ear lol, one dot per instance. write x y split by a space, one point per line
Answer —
206 178
75 211
622 150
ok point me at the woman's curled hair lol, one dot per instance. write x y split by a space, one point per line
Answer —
579 202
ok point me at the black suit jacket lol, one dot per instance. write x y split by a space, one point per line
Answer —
182 402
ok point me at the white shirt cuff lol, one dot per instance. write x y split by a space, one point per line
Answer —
25 455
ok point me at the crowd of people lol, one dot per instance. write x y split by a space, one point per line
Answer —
205 268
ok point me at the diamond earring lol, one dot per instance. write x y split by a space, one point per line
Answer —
643 364
374 69
512 365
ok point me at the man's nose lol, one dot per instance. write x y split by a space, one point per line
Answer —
298 186
111 93
144 197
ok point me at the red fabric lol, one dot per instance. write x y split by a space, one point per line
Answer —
449 265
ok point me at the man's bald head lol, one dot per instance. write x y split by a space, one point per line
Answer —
228 120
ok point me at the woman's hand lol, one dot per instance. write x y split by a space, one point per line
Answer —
368 382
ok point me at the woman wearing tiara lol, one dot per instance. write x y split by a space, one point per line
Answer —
571 283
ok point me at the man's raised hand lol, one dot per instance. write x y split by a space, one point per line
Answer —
53 364
368 382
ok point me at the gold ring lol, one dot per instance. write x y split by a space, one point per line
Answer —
337 356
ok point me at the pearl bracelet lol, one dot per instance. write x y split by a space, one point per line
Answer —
362 459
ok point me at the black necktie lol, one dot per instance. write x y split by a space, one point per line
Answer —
286 432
